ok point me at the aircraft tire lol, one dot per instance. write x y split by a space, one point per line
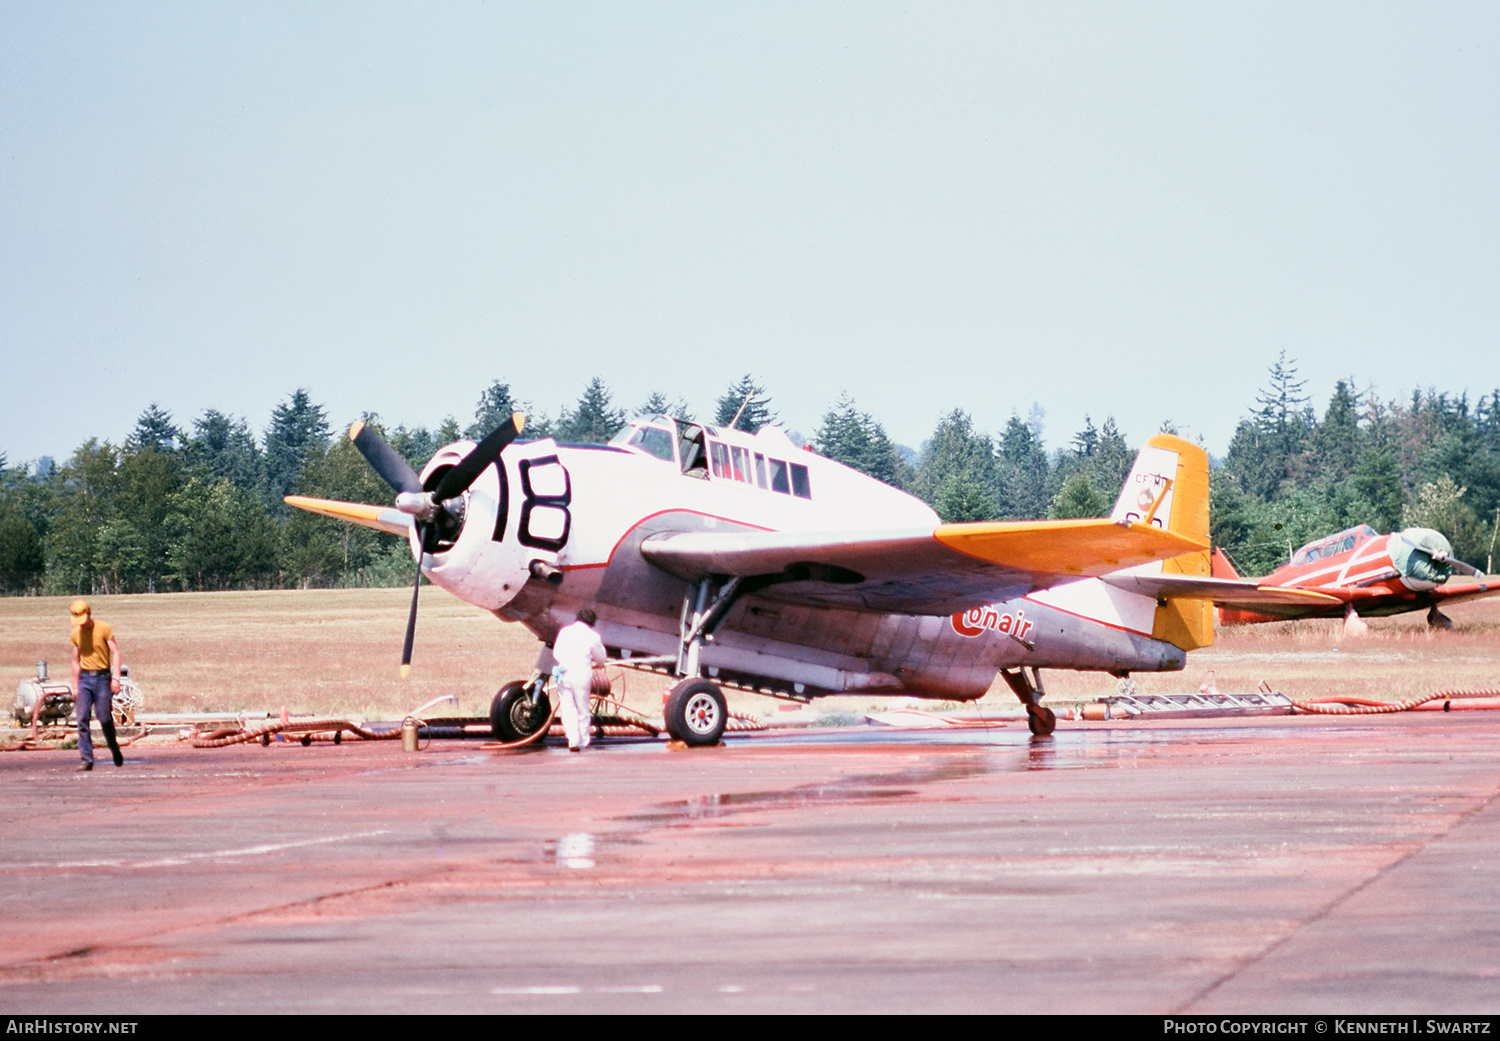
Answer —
509 719
696 713
1041 720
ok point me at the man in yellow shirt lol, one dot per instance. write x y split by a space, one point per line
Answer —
96 677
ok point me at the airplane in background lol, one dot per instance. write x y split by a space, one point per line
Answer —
1367 574
721 558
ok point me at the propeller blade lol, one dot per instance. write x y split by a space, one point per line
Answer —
411 626
384 459
457 480
1464 569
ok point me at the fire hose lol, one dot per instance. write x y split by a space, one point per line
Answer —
1347 706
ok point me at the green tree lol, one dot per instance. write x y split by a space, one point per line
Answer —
1335 444
1377 478
594 420
154 431
1023 475
1263 446
855 439
222 537
298 432
749 401
22 555
1440 506
658 404
323 551
956 471
147 481
223 447
418 444
1078 498
495 406
23 525
83 500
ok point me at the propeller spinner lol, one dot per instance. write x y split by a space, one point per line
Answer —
430 510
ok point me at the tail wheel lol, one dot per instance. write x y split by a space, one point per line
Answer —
696 713
1040 719
512 715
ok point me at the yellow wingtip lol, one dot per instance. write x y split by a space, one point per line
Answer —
355 428
519 419
405 671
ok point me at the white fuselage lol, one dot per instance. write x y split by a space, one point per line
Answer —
586 509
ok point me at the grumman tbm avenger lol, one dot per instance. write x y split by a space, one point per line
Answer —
1366 574
722 558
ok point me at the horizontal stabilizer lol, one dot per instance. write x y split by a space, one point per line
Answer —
381 518
1072 548
1225 592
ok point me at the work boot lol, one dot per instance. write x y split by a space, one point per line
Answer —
119 757
85 766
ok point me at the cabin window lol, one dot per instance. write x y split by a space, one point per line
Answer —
718 454
760 470
739 460
800 486
654 441
1347 544
779 482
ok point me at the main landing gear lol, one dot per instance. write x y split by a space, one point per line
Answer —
1039 718
696 711
519 709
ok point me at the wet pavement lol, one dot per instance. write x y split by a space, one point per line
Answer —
1268 865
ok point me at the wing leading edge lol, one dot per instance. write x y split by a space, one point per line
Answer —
381 518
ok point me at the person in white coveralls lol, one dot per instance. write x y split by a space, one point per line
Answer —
577 650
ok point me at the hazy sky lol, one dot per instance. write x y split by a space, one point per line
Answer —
1114 209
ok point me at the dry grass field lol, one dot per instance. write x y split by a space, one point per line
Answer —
336 652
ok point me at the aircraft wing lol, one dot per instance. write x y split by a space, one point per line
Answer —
1456 589
922 571
1224 592
381 518
1375 599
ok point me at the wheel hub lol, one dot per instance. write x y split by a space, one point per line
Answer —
702 713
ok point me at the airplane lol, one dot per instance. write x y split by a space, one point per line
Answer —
1368 574
723 558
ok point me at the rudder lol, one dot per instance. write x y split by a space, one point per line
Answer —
1168 488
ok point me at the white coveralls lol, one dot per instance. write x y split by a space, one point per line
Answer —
577 650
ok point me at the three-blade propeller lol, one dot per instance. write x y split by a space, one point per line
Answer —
428 509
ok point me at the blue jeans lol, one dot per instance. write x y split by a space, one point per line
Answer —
94 696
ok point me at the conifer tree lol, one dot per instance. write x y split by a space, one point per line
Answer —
749 401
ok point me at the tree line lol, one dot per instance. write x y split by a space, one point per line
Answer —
200 507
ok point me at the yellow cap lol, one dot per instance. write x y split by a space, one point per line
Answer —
79 609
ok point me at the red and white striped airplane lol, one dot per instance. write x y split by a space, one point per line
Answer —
1366 574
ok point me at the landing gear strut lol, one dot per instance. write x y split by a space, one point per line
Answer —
1437 620
696 711
1029 690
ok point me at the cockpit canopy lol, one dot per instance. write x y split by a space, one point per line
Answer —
763 460
1333 544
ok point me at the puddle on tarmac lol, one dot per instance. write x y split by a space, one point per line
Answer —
575 851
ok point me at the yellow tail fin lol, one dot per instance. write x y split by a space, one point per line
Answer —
1168 487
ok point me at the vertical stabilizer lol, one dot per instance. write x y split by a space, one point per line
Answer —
1223 567
1168 488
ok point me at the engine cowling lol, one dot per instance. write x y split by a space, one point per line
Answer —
1420 555
504 530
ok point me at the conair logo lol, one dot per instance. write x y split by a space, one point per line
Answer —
976 620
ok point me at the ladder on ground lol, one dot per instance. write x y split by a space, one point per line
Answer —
1196 706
